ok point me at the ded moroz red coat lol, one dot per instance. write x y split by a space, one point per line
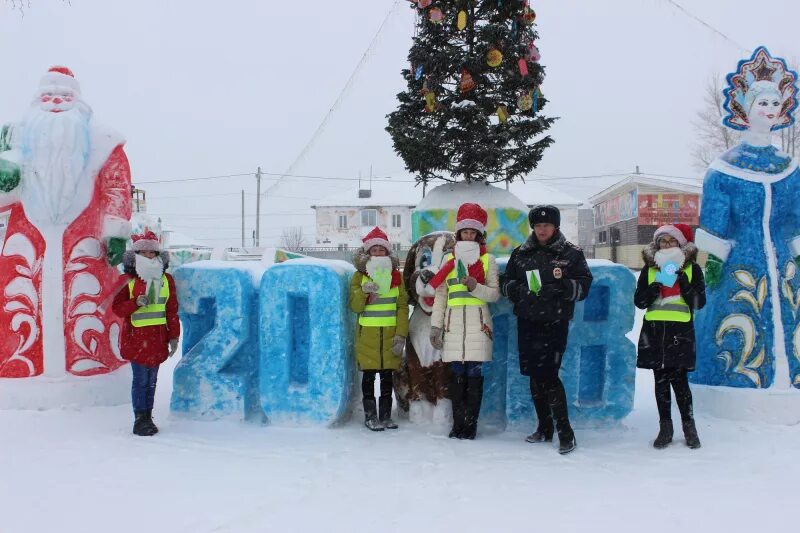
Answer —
147 345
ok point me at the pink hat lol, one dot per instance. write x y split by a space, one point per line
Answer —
681 232
146 242
376 237
471 216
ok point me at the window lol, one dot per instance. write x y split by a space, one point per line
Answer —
342 247
396 246
369 217
342 221
396 220
602 237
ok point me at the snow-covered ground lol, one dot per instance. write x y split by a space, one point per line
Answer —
68 470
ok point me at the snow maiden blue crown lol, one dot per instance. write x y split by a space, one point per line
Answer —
759 74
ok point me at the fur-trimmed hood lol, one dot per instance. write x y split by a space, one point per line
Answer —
648 254
129 261
360 258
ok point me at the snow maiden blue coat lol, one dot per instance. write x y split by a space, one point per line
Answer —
749 335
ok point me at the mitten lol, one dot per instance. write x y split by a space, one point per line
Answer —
370 287
141 300
470 282
115 250
173 347
436 338
398 343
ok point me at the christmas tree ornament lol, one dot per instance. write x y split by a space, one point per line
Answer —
418 72
435 15
514 29
502 113
461 22
523 67
494 57
537 94
467 83
525 101
528 15
431 103
533 53
423 3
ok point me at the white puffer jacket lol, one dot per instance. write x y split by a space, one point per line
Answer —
467 329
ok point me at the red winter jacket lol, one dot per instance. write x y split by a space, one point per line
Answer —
147 345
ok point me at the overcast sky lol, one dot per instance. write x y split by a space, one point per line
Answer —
205 88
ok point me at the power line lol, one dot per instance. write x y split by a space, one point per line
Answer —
706 24
194 179
339 98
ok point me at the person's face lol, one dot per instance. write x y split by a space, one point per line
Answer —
667 241
378 251
765 111
56 101
148 254
544 231
469 234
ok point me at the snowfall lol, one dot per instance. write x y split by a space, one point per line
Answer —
82 470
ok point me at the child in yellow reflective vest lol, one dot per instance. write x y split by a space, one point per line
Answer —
378 295
671 289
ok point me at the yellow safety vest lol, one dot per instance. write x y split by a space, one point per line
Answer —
382 312
458 294
153 314
672 311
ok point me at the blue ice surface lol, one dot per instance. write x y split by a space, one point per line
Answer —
598 369
265 344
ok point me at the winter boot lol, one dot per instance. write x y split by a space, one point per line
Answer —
690 433
371 415
544 430
664 435
385 412
140 425
458 385
557 398
472 407
150 424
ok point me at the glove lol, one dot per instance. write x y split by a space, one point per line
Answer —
9 175
550 291
436 338
683 281
426 276
141 300
515 291
398 343
370 288
470 282
713 272
115 249
173 347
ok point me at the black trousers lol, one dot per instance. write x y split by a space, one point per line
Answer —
678 378
368 383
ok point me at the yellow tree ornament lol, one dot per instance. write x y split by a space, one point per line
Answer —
461 22
502 113
494 57
525 101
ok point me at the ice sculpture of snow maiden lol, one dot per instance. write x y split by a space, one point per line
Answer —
748 336
65 197
421 384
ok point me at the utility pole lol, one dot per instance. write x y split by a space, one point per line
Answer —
242 218
258 207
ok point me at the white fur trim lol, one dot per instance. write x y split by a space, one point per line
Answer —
56 81
376 242
712 244
749 175
116 227
470 223
794 246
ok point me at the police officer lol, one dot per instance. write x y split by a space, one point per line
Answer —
544 278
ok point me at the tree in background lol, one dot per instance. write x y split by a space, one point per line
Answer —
472 108
292 238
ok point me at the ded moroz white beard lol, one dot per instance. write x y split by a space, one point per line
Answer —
469 252
150 271
55 149
669 255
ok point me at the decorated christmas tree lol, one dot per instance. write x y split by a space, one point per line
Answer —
472 108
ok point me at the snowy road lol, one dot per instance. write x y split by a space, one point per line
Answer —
83 471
